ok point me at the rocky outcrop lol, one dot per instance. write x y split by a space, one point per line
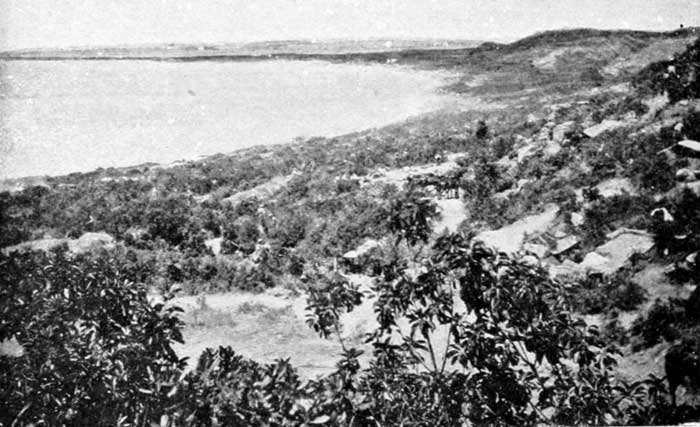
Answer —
510 239
85 243
602 127
611 256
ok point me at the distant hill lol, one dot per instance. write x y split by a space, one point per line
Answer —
263 48
597 47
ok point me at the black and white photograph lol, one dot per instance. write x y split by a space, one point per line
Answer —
349 213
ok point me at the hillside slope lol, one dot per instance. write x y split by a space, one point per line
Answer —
568 159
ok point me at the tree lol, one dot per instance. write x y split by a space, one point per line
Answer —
514 356
411 216
240 235
169 219
95 351
229 390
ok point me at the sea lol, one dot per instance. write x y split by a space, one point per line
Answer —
64 116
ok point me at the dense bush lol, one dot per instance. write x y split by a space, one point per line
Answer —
491 373
410 217
606 214
597 294
682 235
661 321
341 224
228 390
96 352
669 320
482 130
691 126
241 234
677 77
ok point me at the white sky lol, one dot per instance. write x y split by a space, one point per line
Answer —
61 23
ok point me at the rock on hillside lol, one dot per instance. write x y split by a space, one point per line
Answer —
510 239
609 257
84 243
261 191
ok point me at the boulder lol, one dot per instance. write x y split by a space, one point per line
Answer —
609 257
85 243
615 187
552 148
577 219
623 243
90 241
602 127
526 151
363 249
510 239
11 348
692 186
559 132
687 148
538 250
35 245
565 244
530 260
214 245
261 191
532 119
592 262
687 175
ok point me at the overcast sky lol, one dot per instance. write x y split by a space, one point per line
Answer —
61 23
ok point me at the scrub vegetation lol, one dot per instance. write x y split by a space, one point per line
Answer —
463 332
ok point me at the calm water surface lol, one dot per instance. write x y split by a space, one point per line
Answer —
58 117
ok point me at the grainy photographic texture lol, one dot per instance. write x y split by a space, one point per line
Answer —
349 213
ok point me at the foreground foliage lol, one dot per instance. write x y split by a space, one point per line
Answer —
97 352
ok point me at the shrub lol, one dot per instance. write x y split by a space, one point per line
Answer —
95 351
240 235
686 223
600 294
168 219
691 126
606 214
290 228
482 131
677 77
411 216
661 321
502 146
654 173
491 374
228 390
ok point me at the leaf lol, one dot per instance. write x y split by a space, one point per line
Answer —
172 391
320 420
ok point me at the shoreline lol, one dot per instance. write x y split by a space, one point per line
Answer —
436 88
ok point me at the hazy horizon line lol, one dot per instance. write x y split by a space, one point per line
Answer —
331 39
256 41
